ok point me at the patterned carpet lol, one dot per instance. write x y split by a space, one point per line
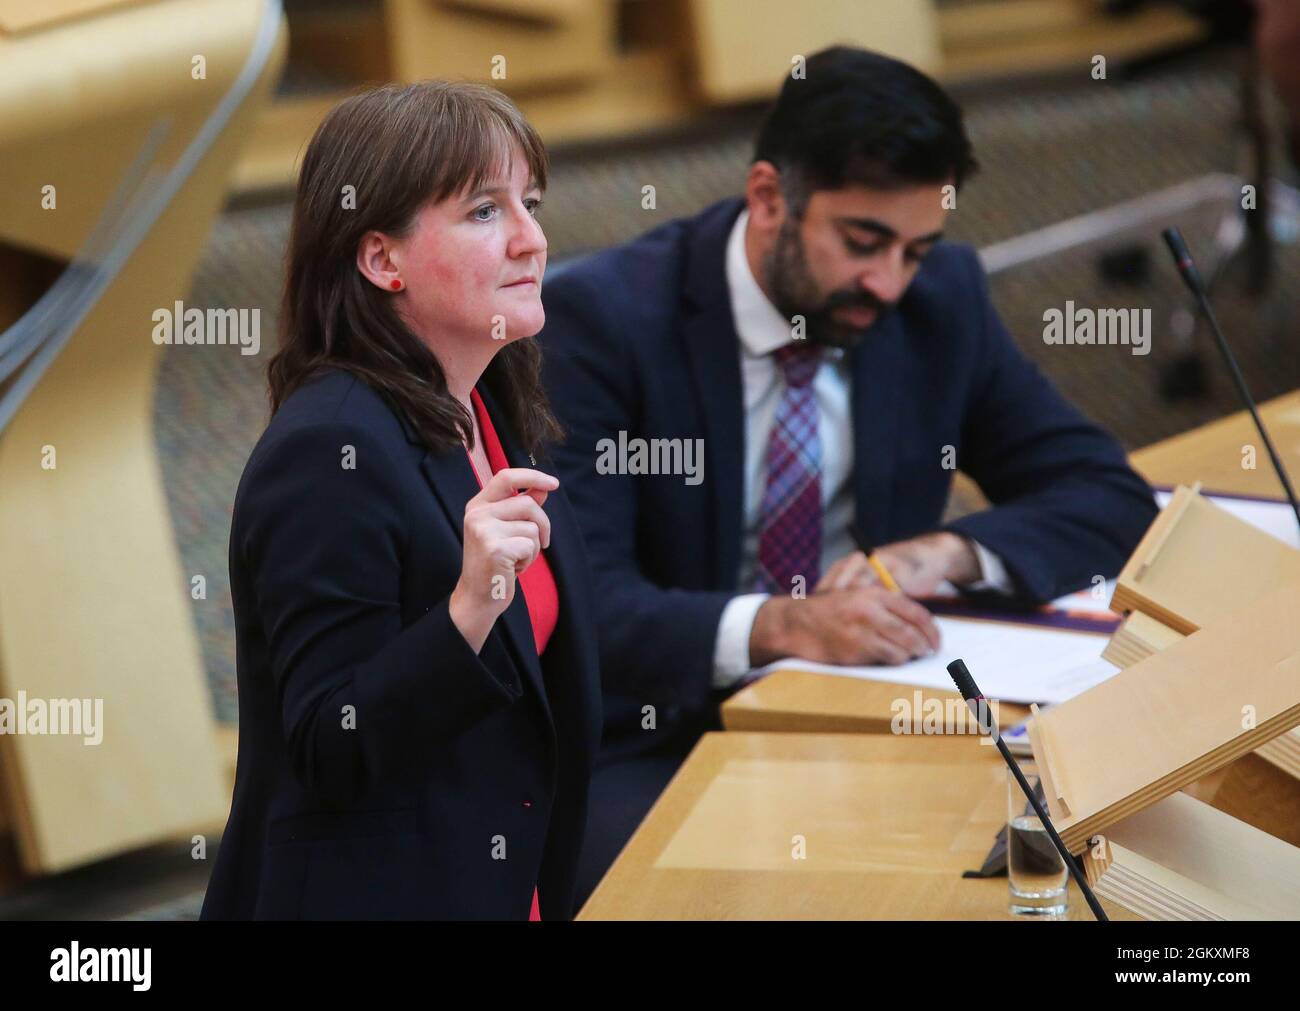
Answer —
1049 152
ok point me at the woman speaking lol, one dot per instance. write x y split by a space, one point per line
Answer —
419 701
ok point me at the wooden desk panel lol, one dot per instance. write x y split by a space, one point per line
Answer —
887 827
802 702
1212 454
94 602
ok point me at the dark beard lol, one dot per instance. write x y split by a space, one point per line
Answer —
795 294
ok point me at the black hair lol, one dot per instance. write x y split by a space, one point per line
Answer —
856 116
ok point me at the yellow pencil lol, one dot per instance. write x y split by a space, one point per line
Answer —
882 572
865 547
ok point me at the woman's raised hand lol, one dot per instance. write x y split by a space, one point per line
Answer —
504 532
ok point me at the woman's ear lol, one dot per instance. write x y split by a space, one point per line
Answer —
378 260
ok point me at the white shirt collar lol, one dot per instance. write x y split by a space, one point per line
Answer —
761 328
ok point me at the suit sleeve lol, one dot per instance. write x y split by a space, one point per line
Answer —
656 642
1065 504
363 698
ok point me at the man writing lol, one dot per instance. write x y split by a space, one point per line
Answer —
839 360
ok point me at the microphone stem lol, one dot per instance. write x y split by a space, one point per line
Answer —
1046 822
970 691
1240 381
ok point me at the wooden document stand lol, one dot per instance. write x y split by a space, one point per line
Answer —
1183 860
1172 718
1197 562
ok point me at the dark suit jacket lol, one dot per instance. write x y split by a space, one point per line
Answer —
384 767
640 338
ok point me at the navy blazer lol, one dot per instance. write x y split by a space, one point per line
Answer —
640 338
385 770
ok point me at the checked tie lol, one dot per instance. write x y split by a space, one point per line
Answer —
790 517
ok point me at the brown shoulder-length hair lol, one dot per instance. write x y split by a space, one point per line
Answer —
376 159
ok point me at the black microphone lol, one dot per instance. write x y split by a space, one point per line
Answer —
983 716
1187 270
1183 259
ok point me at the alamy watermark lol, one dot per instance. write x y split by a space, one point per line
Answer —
935 715
179 325
651 456
1131 327
75 964
64 717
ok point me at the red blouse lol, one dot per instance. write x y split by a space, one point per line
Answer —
537 582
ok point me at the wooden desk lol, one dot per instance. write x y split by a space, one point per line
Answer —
1212 454
888 825
790 700
887 830
800 702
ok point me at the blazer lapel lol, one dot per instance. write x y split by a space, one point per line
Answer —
452 479
712 351
516 620
878 364
567 557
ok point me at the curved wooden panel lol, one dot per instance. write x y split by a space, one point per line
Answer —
93 601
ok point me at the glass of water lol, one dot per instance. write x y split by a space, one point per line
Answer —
1036 874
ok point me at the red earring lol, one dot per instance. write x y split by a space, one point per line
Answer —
396 285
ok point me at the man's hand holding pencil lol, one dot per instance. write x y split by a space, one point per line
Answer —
916 567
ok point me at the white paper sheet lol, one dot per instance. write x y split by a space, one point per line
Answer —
1087 601
1016 663
1025 663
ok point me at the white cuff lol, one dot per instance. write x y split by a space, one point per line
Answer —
731 651
993 573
